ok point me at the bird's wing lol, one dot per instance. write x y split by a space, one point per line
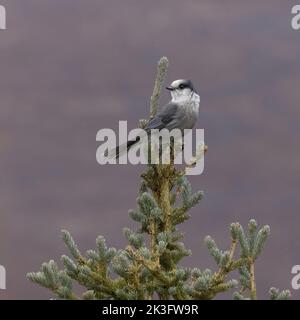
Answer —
165 118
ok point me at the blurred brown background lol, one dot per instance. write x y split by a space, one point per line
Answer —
69 68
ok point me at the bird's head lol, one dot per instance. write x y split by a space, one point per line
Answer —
181 89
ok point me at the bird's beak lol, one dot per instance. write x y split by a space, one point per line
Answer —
170 88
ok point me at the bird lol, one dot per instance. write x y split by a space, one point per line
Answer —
181 112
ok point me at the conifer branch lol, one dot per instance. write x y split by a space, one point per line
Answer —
252 280
149 266
161 72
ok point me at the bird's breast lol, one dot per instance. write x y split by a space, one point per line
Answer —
191 112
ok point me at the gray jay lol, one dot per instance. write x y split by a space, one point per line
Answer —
179 113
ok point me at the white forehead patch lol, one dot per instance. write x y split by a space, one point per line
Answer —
176 83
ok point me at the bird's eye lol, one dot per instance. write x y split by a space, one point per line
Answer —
181 86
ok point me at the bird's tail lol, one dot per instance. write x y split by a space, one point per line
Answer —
119 151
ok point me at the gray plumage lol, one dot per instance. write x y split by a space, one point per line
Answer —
180 113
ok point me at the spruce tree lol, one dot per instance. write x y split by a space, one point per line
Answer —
148 268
